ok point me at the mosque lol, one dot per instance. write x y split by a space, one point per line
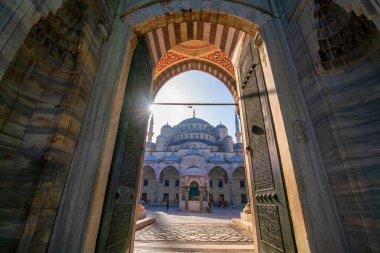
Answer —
76 81
194 163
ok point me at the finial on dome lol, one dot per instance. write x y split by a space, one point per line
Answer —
193 112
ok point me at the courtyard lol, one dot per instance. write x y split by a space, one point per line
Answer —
176 231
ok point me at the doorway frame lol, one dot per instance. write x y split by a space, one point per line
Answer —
287 106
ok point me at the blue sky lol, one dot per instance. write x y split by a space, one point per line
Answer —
196 87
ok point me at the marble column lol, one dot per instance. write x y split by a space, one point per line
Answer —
156 191
232 198
187 199
180 198
201 200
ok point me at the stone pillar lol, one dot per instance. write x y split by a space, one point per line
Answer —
180 195
201 200
232 198
180 198
187 199
156 191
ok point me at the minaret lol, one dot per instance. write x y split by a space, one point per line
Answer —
150 132
193 112
237 128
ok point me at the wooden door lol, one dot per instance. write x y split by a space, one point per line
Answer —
273 224
117 224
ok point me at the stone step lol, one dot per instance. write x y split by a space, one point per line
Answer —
145 222
168 246
245 227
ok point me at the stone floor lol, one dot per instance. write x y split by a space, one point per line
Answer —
177 231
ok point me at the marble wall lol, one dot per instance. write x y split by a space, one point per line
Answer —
343 103
44 94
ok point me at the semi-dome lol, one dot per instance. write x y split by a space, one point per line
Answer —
194 152
216 159
193 171
172 158
150 158
236 159
194 121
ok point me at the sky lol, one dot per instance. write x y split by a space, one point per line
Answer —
194 87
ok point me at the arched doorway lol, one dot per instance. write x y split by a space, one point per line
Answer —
267 186
148 188
239 187
168 186
220 191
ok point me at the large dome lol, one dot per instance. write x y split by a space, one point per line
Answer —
193 120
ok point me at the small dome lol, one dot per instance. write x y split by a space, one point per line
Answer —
166 126
221 126
193 171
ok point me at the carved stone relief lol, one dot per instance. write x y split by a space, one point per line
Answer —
343 37
300 131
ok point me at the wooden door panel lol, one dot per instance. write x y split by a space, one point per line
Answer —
270 204
116 230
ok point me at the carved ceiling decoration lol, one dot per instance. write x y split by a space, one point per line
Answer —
221 59
195 50
168 59
343 37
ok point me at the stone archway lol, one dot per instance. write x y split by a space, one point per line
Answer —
77 209
149 189
295 205
219 185
239 187
168 185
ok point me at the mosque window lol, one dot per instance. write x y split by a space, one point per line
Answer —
176 182
199 136
210 183
146 182
220 183
242 184
166 182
